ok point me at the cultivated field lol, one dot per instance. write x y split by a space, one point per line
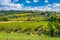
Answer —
16 36
29 25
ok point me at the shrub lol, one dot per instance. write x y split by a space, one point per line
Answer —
5 18
49 29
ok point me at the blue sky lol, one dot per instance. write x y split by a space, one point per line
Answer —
42 5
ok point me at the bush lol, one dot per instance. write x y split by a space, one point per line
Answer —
0 18
49 29
5 18
28 19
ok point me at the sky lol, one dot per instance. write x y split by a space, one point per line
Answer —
42 5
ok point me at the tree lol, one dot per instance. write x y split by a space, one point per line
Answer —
5 19
0 19
53 18
59 19
50 29
28 19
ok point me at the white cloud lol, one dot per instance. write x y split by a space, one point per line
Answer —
46 1
5 1
36 0
9 5
56 5
27 1
48 7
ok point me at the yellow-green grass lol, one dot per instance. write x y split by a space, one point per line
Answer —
23 25
16 36
23 14
31 18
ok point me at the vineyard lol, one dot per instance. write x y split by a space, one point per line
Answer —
29 27
15 26
39 25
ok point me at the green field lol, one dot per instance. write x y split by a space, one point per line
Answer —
24 25
29 25
5 35
16 36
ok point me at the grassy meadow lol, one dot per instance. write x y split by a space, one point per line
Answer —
29 25
16 36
